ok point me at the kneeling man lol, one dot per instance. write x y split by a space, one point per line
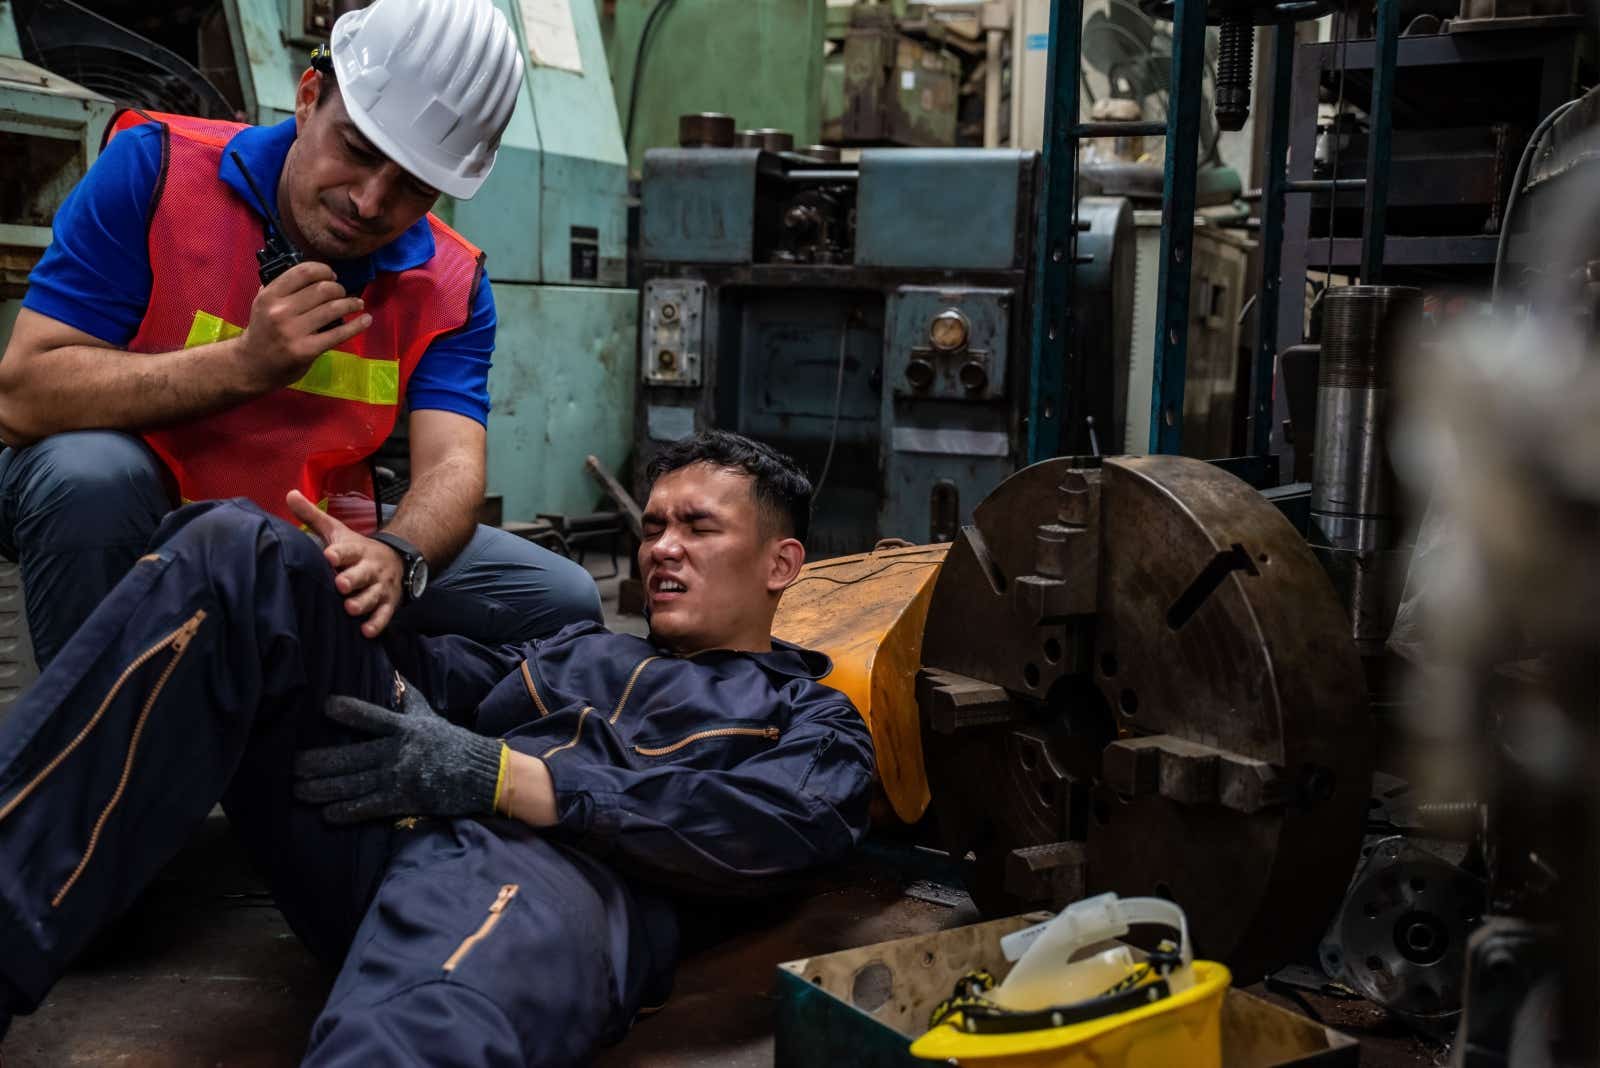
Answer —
488 838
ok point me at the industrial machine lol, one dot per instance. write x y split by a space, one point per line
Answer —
1134 677
869 319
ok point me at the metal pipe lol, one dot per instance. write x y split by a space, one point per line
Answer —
1156 128
1272 208
1354 527
991 88
1323 185
1177 226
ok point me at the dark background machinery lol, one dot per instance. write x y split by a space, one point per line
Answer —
869 319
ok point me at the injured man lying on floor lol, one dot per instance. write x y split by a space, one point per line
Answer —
490 839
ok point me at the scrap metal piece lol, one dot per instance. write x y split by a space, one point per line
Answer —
1196 721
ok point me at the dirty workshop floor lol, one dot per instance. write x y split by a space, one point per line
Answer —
203 973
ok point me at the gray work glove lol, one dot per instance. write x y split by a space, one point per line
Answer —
420 765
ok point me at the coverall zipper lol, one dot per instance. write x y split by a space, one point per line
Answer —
627 691
178 642
496 910
533 691
719 732
180 637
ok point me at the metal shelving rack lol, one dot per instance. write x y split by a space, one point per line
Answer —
1056 249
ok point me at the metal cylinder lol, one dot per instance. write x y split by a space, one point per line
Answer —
769 139
706 129
1354 526
1236 44
824 153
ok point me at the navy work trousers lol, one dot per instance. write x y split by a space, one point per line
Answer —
464 942
77 509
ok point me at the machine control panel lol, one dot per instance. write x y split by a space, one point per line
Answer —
671 342
948 343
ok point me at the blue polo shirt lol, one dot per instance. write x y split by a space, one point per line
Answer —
95 276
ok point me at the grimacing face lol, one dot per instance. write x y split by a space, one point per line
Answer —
339 197
712 569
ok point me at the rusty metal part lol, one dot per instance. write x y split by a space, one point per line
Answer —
766 138
707 129
867 613
630 507
1141 665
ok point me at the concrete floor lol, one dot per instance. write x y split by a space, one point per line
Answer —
203 972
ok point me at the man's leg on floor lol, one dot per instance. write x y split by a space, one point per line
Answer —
489 945
502 588
76 510
213 656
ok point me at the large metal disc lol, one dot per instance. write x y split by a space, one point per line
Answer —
1201 731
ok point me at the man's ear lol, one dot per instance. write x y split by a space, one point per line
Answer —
306 95
788 556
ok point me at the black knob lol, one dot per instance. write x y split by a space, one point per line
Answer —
919 373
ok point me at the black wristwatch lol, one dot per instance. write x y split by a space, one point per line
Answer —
414 578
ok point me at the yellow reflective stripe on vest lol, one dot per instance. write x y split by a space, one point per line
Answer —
340 375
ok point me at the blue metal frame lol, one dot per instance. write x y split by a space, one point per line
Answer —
1177 225
1272 209
1056 247
1380 119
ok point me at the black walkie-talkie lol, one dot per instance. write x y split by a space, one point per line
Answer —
279 255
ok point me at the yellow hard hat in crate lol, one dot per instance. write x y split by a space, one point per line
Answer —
1107 1010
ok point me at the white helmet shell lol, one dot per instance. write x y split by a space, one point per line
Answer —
431 83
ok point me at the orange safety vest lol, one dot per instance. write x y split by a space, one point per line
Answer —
316 434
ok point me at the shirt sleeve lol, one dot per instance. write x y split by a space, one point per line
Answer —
800 803
95 276
453 375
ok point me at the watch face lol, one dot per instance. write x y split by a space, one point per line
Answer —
417 580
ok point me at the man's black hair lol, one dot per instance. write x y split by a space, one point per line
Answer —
322 63
783 493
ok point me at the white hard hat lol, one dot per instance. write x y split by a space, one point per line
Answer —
431 83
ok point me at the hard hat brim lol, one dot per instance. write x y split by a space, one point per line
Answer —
445 181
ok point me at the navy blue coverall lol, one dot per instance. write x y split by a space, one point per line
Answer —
464 941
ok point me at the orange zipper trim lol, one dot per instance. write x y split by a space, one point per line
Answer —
496 910
553 750
182 634
720 732
179 641
627 691
533 691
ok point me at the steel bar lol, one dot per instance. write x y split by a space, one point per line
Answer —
1177 226
1322 185
1056 236
1120 129
1276 183
1380 118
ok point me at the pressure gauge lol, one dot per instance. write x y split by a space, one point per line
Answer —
948 331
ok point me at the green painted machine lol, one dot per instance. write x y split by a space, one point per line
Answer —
759 61
552 219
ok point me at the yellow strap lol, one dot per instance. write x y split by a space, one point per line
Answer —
500 780
340 375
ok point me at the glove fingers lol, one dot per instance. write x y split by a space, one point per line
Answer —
339 787
344 759
370 807
362 715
